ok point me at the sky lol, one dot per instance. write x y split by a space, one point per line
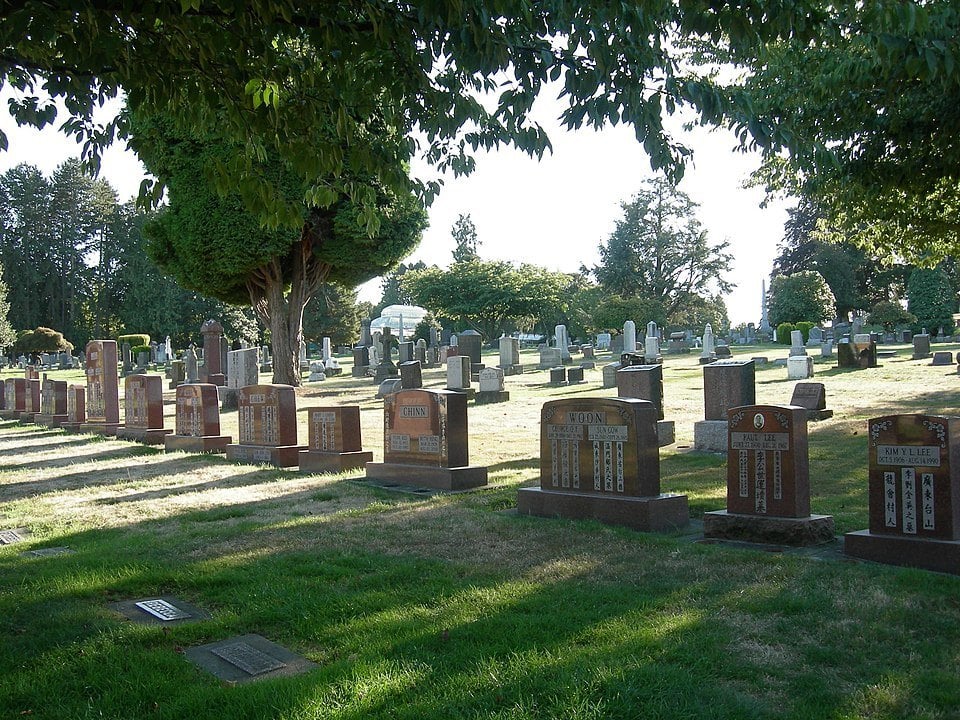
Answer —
554 212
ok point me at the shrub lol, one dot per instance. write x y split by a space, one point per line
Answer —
783 332
137 349
134 339
41 340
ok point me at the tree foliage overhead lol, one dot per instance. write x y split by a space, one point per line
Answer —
267 73
659 251
873 113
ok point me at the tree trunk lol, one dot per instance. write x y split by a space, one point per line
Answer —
283 312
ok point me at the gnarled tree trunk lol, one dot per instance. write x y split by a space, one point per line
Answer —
280 308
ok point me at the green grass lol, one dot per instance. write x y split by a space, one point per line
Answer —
453 606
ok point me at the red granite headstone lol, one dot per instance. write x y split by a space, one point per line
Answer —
425 441
15 394
143 410
197 420
334 440
212 370
103 388
599 459
53 402
31 406
267 418
914 493
768 481
76 408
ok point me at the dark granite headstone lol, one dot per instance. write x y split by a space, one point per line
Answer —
914 493
813 398
599 459
410 375
334 440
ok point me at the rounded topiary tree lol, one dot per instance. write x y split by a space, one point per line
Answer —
783 332
41 340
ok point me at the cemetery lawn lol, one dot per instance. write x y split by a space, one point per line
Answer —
453 606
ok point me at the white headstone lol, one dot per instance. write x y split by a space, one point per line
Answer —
458 372
709 344
327 349
796 343
491 380
651 344
563 342
629 336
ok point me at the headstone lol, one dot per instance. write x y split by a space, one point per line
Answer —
707 354
942 357
858 353
76 408
191 365
599 460
143 410
197 424
826 349
799 367
587 351
549 358
411 375
420 353
168 347
645 382
628 359
651 344
563 342
914 494
32 407
558 375
616 344
267 419
53 402
768 481
458 374
103 388
510 356
333 444
177 373
388 386
243 369
796 343
921 346
629 336
405 352
15 398
812 397
470 343
815 337
610 374
212 371
317 373
574 375
361 361
327 351
491 387
603 341
726 384
386 368
765 330
425 441
126 358
366 338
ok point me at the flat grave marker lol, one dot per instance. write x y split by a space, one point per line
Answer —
160 610
247 658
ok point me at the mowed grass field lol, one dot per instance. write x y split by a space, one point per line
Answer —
453 606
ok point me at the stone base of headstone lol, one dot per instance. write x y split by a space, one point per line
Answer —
438 478
710 436
921 356
27 417
647 514
706 360
512 369
147 436
797 532
799 367
929 554
360 371
471 393
10 414
491 396
196 444
70 427
390 385
819 414
109 429
173 384
51 420
333 462
280 456
666 433
217 379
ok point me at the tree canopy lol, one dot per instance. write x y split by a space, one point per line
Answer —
659 251
801 297
444 79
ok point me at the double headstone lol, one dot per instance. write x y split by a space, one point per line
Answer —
197 423
334 444
859 353
267 419
599 460
768 481
914 493
15 398
53 402
425 442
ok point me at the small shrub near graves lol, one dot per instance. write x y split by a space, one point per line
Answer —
137 349
804 327
134 340
41 340
783 333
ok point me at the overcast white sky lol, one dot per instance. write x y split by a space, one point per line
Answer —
554 212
